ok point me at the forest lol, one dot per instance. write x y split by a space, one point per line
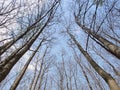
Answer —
59 44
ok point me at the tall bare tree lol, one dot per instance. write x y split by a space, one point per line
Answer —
93 26
7 64
107 77
17 80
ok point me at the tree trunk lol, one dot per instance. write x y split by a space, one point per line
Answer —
4 70
16 82
86 77
6 60
41 79
95 77
40 71
109 46
44 88
107 77
113 38
35 72
116 72
29 28
10 43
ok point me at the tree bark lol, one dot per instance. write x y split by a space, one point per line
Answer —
29 28
40 71
4 70
18 79
86 77
109 46
33 79
116 72
107 77
6 60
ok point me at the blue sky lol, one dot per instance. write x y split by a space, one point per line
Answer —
61 43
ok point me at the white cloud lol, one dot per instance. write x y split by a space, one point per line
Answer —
31 67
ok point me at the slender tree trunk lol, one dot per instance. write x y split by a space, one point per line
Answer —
31 84
82 68
38 76
67 84
6 60
94 77
41 79
86 77
109 46
113 38
83 71
75 81
4 70
45 83
16 82
107 77
10 43
116 72
40 71
29 28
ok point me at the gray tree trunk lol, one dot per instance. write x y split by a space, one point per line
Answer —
109 46
17 80
107 77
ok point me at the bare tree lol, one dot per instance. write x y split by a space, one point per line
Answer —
114 69
83 70
92 31
73 61
7 64
35 72
17 80
41 71
107 77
